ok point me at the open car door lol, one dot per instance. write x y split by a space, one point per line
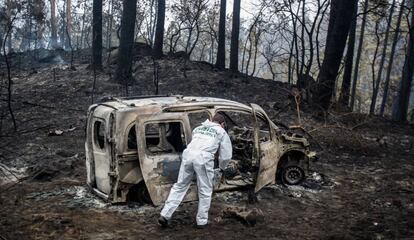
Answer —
161 140
268 157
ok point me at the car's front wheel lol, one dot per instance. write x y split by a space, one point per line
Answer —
292 175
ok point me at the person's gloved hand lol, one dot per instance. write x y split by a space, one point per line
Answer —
231 170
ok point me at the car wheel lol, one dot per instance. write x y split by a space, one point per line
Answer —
139 194
292 175
143 195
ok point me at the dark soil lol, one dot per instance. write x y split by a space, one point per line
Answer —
362 186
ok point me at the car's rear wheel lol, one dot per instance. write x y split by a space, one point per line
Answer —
139 193
292 175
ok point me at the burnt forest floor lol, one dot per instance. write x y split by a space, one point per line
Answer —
362 186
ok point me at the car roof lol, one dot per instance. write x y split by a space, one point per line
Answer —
165 102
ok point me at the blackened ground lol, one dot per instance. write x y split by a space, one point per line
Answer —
361 187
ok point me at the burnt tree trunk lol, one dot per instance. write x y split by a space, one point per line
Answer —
318 29
334 49
377 46
391 60
221 48
294 20
97 34
9 77
126 44
53 38
332 18
83 27
256 49
400 110
358 57
290 67
62 29
109 25
302 43
68 27
159 31
234 45
381 66
346 81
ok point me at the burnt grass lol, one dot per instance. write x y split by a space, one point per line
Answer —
364 175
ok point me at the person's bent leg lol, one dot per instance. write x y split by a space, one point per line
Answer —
205 174
178 190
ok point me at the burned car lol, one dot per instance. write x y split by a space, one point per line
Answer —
134 146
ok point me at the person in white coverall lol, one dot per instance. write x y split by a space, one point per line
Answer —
198 158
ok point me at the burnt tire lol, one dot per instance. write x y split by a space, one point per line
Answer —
292 175
139 194
143 195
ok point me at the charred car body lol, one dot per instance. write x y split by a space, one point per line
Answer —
134 145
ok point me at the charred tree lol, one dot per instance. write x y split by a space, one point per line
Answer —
252 36
234 45
68 28
381 66
377 46
159 31
302 43
221 48
9 28
332 18
109 25
53 28
126 44
306 76
358 57
346 81
391 60
334 49
62 27
295 44
400 109
97 34
318 30
84 34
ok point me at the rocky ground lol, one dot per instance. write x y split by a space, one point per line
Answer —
360 188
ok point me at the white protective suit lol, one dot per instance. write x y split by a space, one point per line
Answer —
198 157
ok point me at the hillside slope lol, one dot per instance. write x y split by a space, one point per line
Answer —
362 184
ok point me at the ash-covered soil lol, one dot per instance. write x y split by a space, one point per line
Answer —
360 188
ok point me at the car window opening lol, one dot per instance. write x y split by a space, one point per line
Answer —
196 118
165 137
132 138
99 134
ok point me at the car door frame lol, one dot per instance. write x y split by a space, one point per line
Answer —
157 184
101 164
269 154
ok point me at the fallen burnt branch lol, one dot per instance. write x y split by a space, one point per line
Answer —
18 179
4 168
59 132
42 106
21 132
361 124
34 129
13 185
